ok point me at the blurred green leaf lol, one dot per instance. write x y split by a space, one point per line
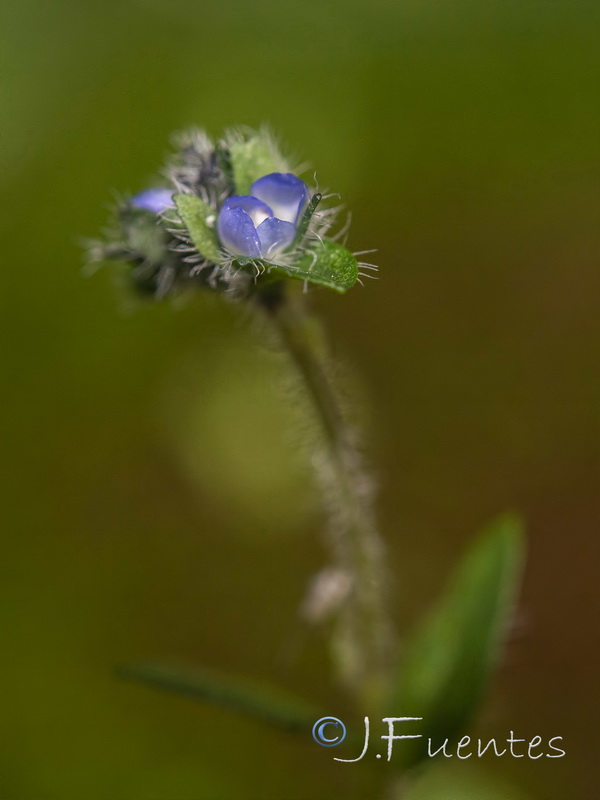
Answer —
195 214
447 781
451 658
328 264
263 701
253 158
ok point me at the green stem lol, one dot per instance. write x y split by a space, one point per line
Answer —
362 641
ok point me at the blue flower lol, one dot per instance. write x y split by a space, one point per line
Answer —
263 223
155 200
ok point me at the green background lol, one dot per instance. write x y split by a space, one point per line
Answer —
156 501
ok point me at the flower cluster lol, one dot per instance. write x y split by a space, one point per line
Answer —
265 222
230 216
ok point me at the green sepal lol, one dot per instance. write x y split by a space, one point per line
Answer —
144 236
451 658
306 217
253 158
326 264
196 216
263 701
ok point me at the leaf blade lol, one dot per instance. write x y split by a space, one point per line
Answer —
452 656
327 264
262 701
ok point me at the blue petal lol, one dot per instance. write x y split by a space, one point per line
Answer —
155 200
275 235
286 194
237 232
255 208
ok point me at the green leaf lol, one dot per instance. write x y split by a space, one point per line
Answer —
327 264
449 662
268 703
459 781
253 158
196 216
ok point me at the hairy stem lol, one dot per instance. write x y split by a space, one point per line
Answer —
361 641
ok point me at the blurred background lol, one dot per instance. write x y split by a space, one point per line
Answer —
156 504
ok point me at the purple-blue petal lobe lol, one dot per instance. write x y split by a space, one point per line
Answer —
285 193
237 232
255 208
275 235
155 200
